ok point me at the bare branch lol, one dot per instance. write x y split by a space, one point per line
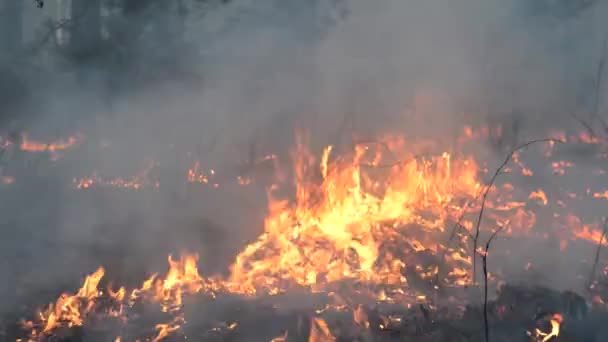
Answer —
34 47
487 190
484 258
583 123
598 87
492 237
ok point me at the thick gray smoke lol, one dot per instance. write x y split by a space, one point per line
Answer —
252 72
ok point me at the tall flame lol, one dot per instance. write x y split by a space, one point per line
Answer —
343 213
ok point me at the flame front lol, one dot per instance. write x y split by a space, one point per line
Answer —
369 216
345 216
73 310
69 310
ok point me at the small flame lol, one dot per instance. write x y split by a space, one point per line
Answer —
319 331
556 321
71 310
539 195
164 330
53 147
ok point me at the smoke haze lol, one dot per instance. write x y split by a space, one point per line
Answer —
251 72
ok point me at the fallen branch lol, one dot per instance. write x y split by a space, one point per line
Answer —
597 254
484 258
475 237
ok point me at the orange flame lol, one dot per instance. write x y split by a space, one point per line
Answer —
556 321
53 147
319 331
70 310
343 213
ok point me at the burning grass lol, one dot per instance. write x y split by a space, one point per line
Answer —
381 226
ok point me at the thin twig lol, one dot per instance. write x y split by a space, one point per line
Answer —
598 82
487 190
585 124
597 253
36 46
484 258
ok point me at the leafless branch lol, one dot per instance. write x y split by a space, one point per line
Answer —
484 258
598 86
33 47
487 190
598 82
583 123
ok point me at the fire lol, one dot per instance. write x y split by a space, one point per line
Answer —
603 194
556 322
70 309
360 317
53 147
367 217
182 277
590 234
195 175
281 338
164 330
343 214
560 167
73 309
540 196
319 331
140 180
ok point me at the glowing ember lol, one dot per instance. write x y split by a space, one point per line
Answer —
7 180
140 180
53 147
540 196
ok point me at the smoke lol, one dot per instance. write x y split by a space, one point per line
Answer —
419 67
